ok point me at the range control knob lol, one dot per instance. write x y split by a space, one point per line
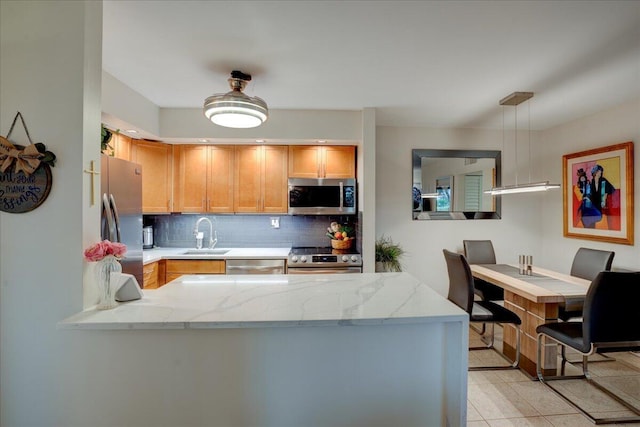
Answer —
354 258
345 258
294 258
303 258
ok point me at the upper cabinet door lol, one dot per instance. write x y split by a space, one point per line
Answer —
156 160
274 181
304 161
121 146
339 161
203 178
190 178
261 179
307 161
248 171
220 175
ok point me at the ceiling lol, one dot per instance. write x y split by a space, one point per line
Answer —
418 63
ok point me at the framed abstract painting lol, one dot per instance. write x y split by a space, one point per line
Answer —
598 194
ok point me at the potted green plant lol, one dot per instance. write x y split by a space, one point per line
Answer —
106 138
388 255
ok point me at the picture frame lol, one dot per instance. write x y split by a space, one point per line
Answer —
598 194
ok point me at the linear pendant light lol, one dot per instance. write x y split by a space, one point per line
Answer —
515 99
234 109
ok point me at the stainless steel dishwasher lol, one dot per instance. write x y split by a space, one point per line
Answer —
255 266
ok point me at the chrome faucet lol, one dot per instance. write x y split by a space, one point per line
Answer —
213 234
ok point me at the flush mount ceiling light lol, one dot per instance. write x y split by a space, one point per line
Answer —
234 109
514 100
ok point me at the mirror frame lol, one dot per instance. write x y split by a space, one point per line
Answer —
418 154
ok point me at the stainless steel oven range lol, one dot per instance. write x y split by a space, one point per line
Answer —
321 260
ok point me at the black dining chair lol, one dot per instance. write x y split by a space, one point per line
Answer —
481 252
587 263
461 292
609 324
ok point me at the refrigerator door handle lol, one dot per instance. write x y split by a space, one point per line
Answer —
116 218
106 208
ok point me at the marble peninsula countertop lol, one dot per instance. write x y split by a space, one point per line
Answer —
258 301
156 254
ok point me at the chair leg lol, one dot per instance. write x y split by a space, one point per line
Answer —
517 361
577 362
482 330
514 363
586 376
491 339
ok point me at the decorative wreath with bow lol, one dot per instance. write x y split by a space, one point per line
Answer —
26 159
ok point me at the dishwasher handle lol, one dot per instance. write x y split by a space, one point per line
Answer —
255 267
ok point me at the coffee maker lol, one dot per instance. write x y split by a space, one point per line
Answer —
147 237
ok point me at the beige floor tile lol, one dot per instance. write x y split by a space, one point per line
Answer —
477 424
574 420
612 369
620 414
628 388
496 401
542 399
472 413
632 359
571 369
587 396
521 422
504 376
486 358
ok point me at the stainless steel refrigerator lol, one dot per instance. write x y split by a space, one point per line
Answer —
121 196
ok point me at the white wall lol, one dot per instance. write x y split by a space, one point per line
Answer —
283 125
50 71
531 223
124 108
517 231
620 124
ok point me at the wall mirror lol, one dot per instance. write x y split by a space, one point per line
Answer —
450 184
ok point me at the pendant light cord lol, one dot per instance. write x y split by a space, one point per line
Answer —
503 137
529 136
516 140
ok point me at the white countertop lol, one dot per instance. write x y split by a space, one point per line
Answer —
249 301
156 254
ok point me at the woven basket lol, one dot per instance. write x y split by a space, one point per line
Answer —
341 244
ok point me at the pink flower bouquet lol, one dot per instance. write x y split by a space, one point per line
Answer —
102 249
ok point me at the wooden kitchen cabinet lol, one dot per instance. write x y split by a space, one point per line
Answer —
150 275
332 161
156 159
179 267
260 184
203 179
121 146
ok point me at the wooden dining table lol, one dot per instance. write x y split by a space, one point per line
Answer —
535 298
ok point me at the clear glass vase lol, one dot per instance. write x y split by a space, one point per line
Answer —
104 268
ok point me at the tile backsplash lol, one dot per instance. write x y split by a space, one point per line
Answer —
243 231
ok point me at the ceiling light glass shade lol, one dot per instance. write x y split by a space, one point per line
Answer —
522 188
236 110
429 195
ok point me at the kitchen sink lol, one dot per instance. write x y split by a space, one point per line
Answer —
206 251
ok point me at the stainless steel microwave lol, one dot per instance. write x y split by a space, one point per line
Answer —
322 196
